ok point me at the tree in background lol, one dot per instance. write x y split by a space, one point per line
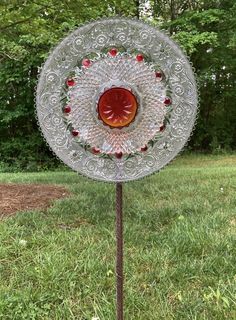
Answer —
206 29
29 29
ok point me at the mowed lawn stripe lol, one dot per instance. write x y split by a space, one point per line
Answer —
180 256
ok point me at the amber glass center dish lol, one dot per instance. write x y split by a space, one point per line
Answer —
117 107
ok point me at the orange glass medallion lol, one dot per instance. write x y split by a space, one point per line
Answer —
117 107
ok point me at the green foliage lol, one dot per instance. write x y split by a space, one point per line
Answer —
180 252
30 29
207 32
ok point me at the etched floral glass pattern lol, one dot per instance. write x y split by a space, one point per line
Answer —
125 78
116 100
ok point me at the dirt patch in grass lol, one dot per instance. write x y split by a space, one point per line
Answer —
24 197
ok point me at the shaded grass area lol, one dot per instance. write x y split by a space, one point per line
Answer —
180 247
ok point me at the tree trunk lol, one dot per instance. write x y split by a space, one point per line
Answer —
137 13
172 15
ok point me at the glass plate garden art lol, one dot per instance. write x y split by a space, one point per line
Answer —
116 100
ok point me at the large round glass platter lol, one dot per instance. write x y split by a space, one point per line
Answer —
116 100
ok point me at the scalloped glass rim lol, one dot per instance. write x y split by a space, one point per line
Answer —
133 35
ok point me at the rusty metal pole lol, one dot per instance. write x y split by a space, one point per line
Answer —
119 253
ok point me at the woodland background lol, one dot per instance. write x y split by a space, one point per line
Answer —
206 29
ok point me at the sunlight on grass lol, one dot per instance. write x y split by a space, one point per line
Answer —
180 247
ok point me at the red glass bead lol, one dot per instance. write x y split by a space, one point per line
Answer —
86 63
113 52
70 82
139 57
162 128
158 75
75 133
144 148
118 155
117 107
167 101
95 150
67 109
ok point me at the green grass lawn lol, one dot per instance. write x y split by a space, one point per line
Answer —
180 248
